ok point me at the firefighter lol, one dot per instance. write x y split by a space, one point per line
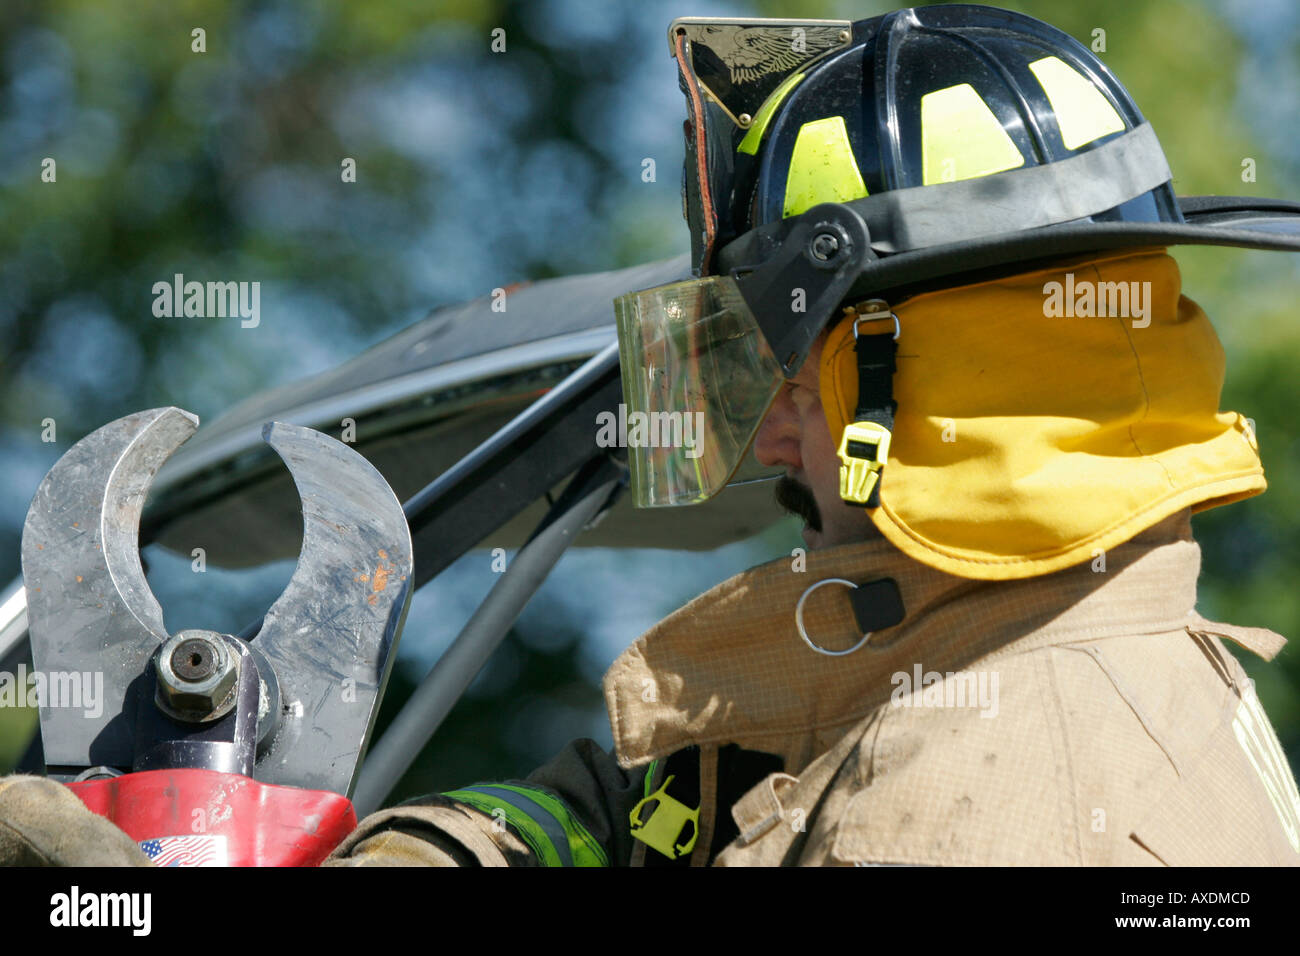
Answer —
932 288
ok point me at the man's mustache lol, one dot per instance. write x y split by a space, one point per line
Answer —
797 499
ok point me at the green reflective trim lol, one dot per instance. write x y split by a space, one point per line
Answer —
585 849
822 167
961 138
528 829
764 115
650 776
1082 112
542 821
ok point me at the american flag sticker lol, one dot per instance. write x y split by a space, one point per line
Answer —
186 850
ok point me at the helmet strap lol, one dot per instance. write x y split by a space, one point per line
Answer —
864 449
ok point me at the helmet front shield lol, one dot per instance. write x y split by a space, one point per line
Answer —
700 358
698 378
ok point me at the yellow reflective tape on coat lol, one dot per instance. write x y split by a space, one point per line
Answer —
553 833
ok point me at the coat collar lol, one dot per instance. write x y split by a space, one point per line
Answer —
730 667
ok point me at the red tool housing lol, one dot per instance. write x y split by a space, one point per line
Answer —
263 824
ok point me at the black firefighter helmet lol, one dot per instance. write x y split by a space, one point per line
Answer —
833 161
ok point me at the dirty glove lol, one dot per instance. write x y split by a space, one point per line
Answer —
43 823
429 831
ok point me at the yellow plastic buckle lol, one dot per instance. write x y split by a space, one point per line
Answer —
859 473
666 821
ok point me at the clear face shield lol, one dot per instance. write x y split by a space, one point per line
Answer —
700 358
698 379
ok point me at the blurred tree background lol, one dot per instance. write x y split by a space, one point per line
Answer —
476 169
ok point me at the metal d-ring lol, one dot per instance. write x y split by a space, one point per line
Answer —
872 317
798 620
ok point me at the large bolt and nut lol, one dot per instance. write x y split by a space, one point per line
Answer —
197 674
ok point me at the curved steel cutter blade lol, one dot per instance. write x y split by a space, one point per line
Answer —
95 623
331 635
93 620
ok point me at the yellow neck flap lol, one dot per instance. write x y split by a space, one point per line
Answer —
1045 417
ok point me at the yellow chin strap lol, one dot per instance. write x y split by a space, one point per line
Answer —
1045 417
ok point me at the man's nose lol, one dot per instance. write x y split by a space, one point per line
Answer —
777 440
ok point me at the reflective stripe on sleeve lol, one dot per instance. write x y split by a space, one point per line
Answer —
543 822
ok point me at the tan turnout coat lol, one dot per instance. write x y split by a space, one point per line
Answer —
1088 717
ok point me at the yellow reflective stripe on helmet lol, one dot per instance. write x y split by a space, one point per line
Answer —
764 115
1082 111
822 167
961 138
543 822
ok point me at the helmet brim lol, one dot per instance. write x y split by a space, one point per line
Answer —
1241 222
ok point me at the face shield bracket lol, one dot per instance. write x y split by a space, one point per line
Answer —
795 292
